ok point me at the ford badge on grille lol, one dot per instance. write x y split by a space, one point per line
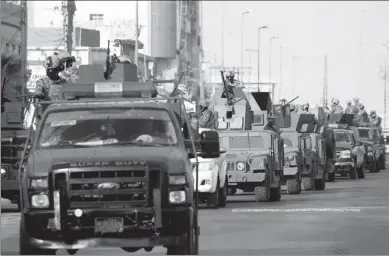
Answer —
108 186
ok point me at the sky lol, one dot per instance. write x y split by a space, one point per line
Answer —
351 34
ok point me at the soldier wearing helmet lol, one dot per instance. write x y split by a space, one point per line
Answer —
375 120
305 109
363 114
356 102
335 107
58 71
271 124
349 108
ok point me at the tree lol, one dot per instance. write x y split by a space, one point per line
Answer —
11 82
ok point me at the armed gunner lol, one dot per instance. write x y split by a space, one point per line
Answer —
58 71
271 124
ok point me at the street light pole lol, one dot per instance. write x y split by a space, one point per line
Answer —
136 35
250 51
241 40
272 84
259 53
280 84
294 58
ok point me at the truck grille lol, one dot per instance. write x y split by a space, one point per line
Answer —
230 166
106 188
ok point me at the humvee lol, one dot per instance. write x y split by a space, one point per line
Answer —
254 157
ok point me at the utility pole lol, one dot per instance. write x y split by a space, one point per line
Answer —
136 34
222 46
23 53
70 11
325 85
385 96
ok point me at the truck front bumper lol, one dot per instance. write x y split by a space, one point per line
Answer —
235 177
81 236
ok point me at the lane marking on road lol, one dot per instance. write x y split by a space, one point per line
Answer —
351 209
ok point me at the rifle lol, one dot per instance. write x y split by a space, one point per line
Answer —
229 95
107 73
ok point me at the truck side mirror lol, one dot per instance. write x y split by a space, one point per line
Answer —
209 144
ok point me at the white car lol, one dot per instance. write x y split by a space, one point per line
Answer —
212 182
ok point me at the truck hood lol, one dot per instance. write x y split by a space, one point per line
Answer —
242 155
342 146
173 158
290 150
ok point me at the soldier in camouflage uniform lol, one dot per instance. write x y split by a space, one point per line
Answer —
375 120
58 71
271 124
305 109
363 114
335 107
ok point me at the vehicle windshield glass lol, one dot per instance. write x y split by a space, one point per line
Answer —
364 134
290 141
248 142
107 127
342 137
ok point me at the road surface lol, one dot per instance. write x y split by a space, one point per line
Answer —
349 217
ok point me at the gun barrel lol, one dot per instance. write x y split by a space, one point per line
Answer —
292 100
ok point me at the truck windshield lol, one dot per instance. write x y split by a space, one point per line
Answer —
364 134
101 127
247 142
342 137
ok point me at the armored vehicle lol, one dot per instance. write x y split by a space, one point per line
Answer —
349 149
13 133
373 152
94 179
254 156
313 154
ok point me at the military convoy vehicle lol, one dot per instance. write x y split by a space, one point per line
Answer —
349 149
254 156
369 138
313 154
108 182
13 133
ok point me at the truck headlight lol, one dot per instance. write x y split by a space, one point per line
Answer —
40 201
3 173
39 183
345 154
290 158
177 197
177 180
240 166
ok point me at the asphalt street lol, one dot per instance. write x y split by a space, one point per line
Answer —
349 217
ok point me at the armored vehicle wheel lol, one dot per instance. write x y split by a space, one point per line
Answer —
275 194
320 184
223 194
375 167
353 173
360 173
382 162
213 199
331 177
25 248
188 247
308 183
231 191
293 186
261 193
